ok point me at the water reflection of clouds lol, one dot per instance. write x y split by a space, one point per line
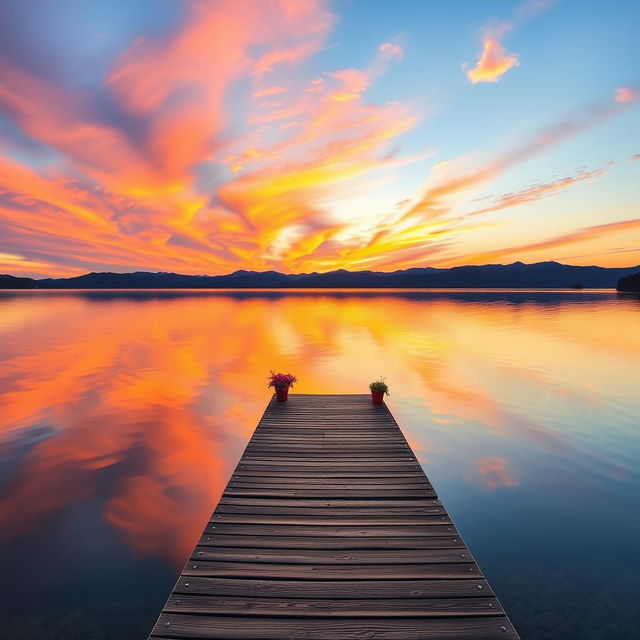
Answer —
148 399
494 472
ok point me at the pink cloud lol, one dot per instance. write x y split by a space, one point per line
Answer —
493 62
268 91
316 86
391 50
353 83
625 94
290 55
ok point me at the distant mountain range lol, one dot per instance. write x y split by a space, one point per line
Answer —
552 275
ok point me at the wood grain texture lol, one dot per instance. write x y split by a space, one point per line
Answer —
308 542
328 589
310 556
298 607
174 625
329 529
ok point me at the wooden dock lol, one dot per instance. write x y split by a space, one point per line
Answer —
330 530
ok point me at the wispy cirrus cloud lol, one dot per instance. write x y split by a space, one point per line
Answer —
452 181
141 174
164 158
563 241
428 227
537 192
18 265
268 91
391 50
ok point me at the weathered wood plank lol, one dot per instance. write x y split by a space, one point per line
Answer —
309 542
344 487
332 503
321 512
333 589
173 625
328 493
368 531
343 484
331 572
316 455
294 607
316 474
290 556
377 519
317 464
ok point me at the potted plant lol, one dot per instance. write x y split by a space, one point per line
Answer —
281 383
378 390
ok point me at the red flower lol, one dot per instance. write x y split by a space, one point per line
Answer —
281 380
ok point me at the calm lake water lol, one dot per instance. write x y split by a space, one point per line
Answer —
123 414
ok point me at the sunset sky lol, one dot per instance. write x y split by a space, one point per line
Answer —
303 135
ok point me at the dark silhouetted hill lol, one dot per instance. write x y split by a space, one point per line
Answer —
629 283
12 282
542 275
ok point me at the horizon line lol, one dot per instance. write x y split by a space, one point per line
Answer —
341 270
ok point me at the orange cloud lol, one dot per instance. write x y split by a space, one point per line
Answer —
338 138
142 199
595 232
19 265
150 74
271 214
493 62
173 179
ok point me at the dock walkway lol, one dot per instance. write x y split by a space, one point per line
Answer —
330 530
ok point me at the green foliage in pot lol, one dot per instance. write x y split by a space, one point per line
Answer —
379 385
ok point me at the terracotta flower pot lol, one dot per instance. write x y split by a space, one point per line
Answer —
377 397
282 393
